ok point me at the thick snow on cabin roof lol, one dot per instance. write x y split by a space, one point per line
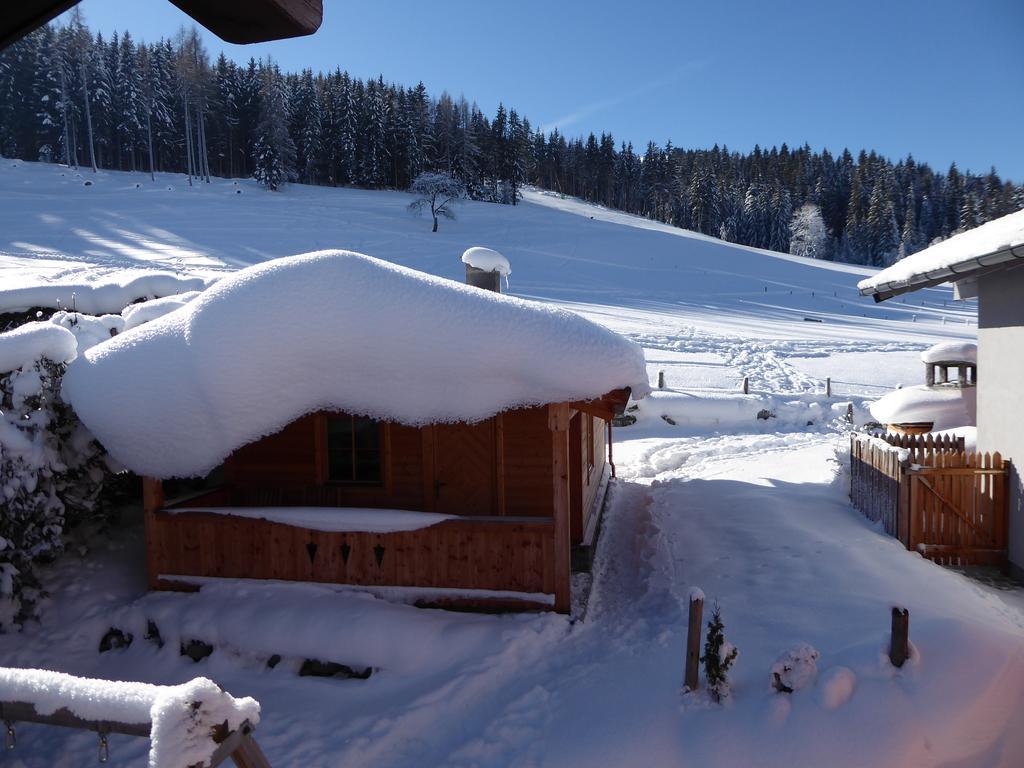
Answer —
947 407
953 256
332 330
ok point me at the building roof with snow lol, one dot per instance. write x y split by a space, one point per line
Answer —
988 247
332 330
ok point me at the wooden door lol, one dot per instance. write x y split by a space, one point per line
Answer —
465 468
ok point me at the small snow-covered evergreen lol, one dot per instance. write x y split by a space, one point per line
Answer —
719 656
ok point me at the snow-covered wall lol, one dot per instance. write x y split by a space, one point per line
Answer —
332 330
1001 385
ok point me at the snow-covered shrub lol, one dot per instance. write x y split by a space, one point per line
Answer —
438 193
51 469
795 669
719 656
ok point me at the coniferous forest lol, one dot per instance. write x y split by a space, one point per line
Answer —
68 96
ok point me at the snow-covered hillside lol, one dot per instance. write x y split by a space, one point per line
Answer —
709 495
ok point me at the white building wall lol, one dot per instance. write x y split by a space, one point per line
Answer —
1001 386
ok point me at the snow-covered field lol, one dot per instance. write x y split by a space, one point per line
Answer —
752 511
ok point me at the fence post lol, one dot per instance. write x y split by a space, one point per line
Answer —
691 681
661 379
849 413
746 386
898 644
828 387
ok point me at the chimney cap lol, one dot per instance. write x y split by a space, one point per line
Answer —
486 260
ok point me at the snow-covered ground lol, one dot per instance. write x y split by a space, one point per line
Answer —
752 511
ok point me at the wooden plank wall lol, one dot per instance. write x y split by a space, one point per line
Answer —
492 554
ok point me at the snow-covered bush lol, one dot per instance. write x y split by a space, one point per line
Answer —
795 669
719 656
51 469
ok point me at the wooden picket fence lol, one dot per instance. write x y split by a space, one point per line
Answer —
950 505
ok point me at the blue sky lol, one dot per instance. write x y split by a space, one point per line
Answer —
942 79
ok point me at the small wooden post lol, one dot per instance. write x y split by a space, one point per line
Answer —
661 379
691 680
898 645
746 386
828 387
849 413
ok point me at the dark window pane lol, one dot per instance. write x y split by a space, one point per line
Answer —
368 466
353 450
367 435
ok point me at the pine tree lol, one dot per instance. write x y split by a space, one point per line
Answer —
719 656
275 150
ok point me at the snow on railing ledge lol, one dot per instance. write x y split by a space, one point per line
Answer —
193 724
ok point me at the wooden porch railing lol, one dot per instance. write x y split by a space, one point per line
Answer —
473 553
936 498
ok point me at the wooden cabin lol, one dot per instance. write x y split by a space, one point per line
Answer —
456 491
523 491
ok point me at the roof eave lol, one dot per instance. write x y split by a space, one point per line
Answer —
976 265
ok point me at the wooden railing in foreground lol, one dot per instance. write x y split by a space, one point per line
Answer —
950 505
238 745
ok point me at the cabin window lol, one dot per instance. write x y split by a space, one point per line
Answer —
353 450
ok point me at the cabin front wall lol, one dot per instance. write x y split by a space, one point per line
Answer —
509 481
1000 378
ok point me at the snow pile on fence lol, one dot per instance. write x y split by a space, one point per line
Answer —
107 293
182 716
332 330
488 260
1001 234
949 351
947 407
710 411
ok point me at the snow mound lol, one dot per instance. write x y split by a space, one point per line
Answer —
328 623
332 330
1001 234
32 341
349 519
136 314
487 260
836 687
795 669
947 407
959 351
107 293
87 329
182 716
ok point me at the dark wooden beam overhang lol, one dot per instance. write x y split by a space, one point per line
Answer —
236 21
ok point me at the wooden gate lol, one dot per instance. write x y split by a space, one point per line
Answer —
939 500
958 509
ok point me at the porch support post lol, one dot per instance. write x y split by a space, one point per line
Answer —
152 502
558 422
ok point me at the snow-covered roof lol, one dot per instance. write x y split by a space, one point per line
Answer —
488 260
996 242
332 330
947 407
951 351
